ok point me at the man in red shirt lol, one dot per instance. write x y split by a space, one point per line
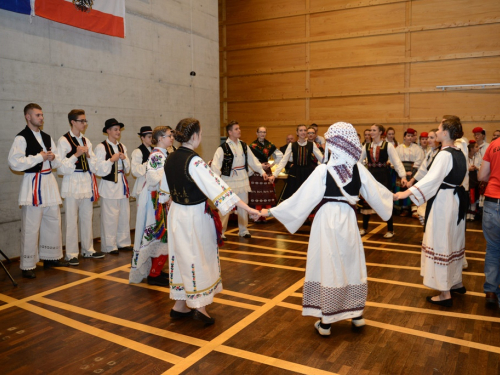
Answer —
490 171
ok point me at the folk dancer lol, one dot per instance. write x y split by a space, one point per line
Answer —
335 286
112 165
377 154
150 246
231 162
302 153
194 230
262 194
79 188
35 153
443 245
412 156
139 160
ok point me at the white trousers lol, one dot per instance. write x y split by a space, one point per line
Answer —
40 235
242 217
115 224
78 210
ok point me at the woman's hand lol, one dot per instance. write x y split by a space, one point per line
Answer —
401 195
404 182
254 214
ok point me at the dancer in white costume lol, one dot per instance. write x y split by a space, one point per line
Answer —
79 187
193 252
335 286
443 245
35 153
151 248
139 160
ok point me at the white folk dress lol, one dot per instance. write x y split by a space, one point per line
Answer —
335 286
443 245
193 253
138 170
147 246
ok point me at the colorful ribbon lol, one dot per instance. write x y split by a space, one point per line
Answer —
37 186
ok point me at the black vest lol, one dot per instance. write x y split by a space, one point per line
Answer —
183 189
302 155
261 157
227 163
383 155
112 176
352 188
459 170
34 148
82 163
145 153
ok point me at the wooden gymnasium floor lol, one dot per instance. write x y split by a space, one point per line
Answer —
89 320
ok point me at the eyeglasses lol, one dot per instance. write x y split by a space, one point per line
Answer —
82 121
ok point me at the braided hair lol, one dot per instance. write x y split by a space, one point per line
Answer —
186 128
453 125
158 132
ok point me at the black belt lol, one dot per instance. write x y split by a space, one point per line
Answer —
463 200
494 200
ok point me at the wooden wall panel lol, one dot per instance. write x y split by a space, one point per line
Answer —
356 20
481 104
267 86
456 40
455 72
432 12
357 50
369 78
262 112
266 60
350 109
281 29
238 11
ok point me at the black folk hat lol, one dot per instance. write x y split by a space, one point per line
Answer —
145 130
111 122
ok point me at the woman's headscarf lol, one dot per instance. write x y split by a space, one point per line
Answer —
342 142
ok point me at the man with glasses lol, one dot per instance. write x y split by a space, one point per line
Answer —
312 137
79 187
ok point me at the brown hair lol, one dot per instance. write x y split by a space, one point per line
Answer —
299 126
186 128
380 127
453 125
230 126
313 128
158 132
73 115
31 106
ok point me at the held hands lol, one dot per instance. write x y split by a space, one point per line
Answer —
404 182
271 179
254 214
410 183
401 195
264 212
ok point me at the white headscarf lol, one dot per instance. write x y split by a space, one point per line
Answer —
342 142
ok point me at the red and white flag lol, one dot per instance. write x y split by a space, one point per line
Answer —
100 16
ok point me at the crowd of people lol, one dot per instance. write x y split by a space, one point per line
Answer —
432 177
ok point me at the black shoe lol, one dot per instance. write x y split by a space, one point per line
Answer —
55 263
177 314
96 255
126 248
461 290
28 274
159 280
445 302
73 262
491 299
114 252
203 318
248 235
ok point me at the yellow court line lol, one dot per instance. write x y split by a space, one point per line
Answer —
416 268
262 264
7 299
414 225
102 334
409 251
123 322
226 335
245 296
414 332
270 361
424 311
262 254
266 247
275 239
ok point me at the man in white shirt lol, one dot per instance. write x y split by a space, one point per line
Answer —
79 187
35 153
480 137
231 162
139 159
319 139
112 165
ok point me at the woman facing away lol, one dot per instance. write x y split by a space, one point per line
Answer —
443 245
378 153
150 248
335 286
194 230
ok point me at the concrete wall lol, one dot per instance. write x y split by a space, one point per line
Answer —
140 80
